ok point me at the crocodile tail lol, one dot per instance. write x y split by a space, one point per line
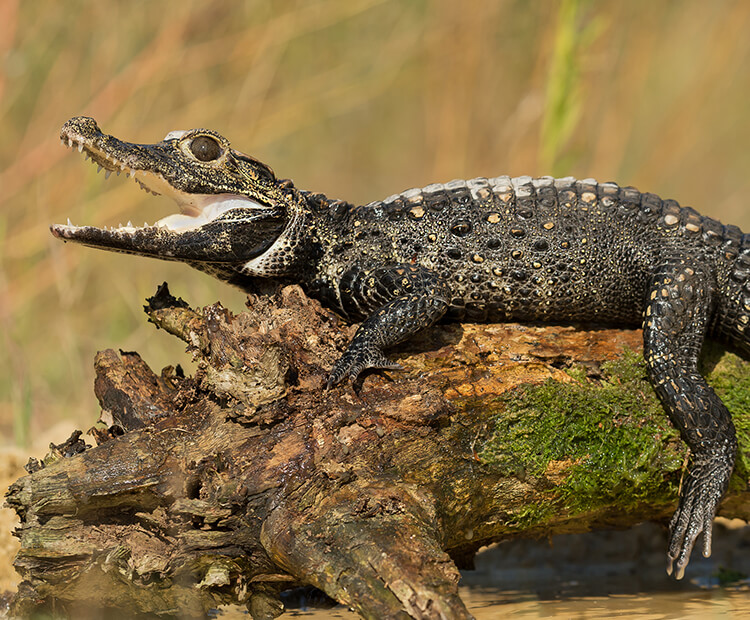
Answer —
733 317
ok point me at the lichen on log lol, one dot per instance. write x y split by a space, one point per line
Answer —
249 477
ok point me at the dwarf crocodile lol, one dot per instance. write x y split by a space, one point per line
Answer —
497 249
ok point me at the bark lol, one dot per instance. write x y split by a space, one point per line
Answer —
249 478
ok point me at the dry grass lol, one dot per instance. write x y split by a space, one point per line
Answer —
356 98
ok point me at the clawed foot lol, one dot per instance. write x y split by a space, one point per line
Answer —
357 359
704 487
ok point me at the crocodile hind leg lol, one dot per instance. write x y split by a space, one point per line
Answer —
400 301
675 323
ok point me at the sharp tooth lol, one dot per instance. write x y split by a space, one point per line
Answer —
131 174
98 168
80 147
107 173
70 142
69 222
130 224
146 225
62 141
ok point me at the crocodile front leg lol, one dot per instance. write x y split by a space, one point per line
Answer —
675 323
400 300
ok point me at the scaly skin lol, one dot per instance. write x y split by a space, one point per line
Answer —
481 250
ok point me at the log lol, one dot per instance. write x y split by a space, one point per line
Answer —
250 478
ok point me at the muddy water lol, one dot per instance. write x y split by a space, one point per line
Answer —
598 575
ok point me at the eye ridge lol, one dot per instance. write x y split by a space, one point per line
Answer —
265 175
205 148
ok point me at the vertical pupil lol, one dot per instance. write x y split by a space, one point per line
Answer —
205 149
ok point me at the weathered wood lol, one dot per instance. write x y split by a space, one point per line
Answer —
249 478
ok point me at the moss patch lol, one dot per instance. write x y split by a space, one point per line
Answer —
600 442
529 515
729 375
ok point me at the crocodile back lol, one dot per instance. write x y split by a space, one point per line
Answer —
528 249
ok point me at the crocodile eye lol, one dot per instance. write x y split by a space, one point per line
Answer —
205 148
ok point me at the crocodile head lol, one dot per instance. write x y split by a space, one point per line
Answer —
234 216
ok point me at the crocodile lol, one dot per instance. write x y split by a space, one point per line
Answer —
487 249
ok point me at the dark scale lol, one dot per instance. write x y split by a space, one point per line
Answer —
480 250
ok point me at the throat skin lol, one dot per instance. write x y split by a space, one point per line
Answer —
504 248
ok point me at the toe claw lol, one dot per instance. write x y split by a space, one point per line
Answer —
700 499
353 363
680 572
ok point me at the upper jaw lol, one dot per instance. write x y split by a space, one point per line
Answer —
107 152
144 163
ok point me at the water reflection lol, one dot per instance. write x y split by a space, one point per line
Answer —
600 575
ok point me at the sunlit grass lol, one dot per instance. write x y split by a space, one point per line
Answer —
576 29
355 98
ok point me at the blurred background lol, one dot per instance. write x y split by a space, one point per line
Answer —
354 98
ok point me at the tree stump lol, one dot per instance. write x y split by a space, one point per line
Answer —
249 478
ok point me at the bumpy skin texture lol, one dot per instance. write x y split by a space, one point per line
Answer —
495 249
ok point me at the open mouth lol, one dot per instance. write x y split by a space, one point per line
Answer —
196 210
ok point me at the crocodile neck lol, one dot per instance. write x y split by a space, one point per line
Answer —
294 258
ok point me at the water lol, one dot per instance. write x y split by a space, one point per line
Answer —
598 575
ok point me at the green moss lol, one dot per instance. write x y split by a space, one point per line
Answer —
603 439
602 442
729 375
728 576
529 515
576 372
